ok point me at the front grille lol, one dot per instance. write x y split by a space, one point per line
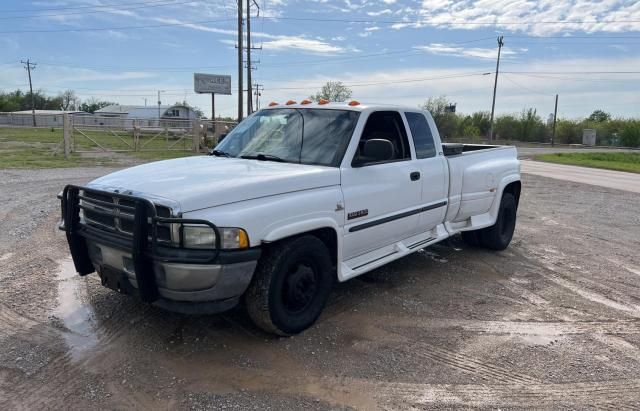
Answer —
114 214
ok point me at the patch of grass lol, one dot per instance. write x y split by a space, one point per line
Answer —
629 162
36 158
26 147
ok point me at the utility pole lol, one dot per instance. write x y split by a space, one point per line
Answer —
259 88
495 87
249 94
159 103
31 66
249 48
240 62
555 118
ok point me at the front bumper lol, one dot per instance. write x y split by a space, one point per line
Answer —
177 279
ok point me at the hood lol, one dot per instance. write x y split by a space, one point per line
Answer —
202 182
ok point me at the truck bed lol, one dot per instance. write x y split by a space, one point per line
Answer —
454 149
475 171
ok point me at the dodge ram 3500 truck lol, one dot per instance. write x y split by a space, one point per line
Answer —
296 197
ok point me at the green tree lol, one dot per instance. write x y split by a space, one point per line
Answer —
333 91
69 100
471 131
446 121
599 116
93 104
568 132
506 127
531 126
630 136
475 121
11 101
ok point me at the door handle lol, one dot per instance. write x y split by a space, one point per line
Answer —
415 176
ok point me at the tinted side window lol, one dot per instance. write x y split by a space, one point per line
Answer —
386 125
421 132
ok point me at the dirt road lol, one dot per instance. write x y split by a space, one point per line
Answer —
553 322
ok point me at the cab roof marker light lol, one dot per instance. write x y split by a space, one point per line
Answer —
290 102
323 101
354 103
306 101
273 103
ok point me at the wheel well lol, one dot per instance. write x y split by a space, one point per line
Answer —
514 188
327 235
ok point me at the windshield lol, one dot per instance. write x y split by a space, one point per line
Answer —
306 136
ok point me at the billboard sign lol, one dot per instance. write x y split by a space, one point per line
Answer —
211 83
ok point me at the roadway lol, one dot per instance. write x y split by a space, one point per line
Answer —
604 178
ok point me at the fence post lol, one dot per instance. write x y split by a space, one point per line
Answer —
196 136
136 135
66 134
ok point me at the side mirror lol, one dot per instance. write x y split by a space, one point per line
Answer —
377 149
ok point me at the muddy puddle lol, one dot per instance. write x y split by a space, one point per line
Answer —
74 311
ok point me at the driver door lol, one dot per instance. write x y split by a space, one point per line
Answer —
381 197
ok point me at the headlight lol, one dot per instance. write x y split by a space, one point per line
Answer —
200 236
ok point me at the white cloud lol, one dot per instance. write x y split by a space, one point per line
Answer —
379 12
537 18
274 42
389 1
470 52
301 43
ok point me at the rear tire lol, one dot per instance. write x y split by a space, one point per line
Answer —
290 286
499 235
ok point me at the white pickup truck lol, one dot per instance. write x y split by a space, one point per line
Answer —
296 197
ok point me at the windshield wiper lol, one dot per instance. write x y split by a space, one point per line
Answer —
263 157
219 153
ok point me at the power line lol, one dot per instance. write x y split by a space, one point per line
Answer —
417 24
572 72
110 10
280 63
453 23
524 87
411 80
552 77
571 37
114 28
95 6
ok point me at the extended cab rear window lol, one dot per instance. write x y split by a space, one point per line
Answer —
421 133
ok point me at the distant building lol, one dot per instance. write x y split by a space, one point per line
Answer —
44 118
151 116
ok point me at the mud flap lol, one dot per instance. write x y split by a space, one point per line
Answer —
77 244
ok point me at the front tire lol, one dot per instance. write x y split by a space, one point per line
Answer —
291 286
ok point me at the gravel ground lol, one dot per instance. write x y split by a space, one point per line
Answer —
552 322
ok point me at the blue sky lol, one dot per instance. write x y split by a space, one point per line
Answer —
388 51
